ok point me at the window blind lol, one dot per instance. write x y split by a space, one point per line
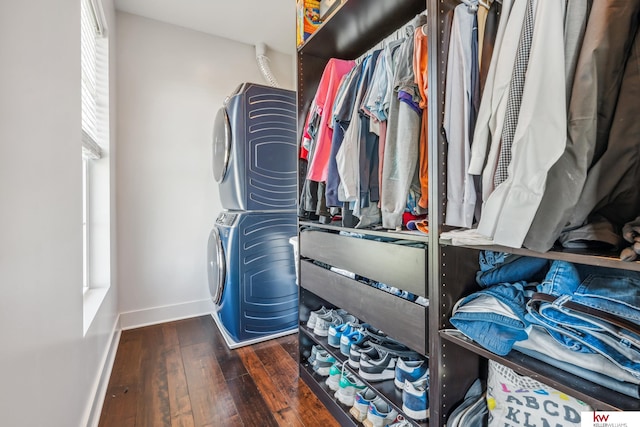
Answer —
92 29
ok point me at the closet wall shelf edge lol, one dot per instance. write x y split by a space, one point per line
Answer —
357 25
579 256
402 235
579 388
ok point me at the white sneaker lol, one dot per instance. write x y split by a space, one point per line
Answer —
380 413
348 387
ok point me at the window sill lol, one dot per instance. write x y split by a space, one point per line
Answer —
92 300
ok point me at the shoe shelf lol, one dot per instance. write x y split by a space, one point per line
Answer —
595 395
399 318
385 389
579 256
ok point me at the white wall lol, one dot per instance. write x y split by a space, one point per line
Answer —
171 82
48 370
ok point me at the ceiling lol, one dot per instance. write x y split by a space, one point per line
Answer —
239 20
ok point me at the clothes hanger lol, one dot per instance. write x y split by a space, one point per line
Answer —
485 3
473 6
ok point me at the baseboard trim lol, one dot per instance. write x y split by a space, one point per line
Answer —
168 313
100 388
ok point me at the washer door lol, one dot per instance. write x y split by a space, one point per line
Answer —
216 268
221 145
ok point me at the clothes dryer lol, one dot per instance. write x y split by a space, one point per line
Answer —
251 272
255 149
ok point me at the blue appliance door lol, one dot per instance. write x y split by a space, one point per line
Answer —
221 149
216 266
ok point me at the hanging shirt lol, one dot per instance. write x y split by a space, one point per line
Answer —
420 61
325 96
540 136
461 194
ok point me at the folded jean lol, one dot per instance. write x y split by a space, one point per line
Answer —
587 340
493 317
540 340
510 270
607 289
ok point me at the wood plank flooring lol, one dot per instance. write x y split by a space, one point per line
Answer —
181 374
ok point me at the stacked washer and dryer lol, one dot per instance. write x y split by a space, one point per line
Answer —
251 266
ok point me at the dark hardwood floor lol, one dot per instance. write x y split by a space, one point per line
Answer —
182 374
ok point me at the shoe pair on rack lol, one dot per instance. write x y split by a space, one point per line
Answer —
412 377
321 320
372 410
320 360
378 361
352 342
337 331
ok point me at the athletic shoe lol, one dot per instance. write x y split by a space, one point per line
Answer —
313 316
377 364
358 341
333 380
411 370
348 387
400 422
314 352
380 413
361 403
323 362
358 335
323 323
415 402
336 332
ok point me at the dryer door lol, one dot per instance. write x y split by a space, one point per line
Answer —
221 145
216 267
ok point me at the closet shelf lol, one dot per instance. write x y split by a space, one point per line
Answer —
597 396
578 256
402 235
356 25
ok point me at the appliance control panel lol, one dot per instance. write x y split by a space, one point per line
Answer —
226 218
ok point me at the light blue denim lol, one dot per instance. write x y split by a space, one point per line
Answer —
626 388
498 267
603 289
611 290
494 331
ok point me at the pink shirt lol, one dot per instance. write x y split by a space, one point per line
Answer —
331 77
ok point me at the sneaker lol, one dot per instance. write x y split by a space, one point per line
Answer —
380 413
400 422
361 403
358 341
336 332
348 387
313 316
323 362
407 369
314 352
378 363
335 372
415 403
323 323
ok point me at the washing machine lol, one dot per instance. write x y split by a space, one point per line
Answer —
252 279
255 149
